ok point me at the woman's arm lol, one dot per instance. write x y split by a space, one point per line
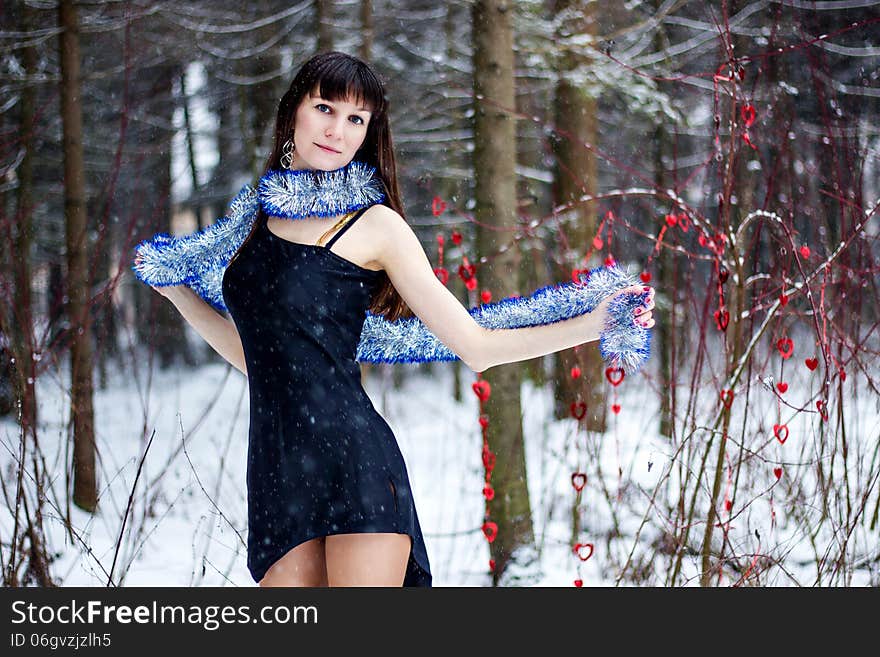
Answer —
479 347
218 331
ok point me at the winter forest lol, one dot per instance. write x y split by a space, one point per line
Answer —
724 152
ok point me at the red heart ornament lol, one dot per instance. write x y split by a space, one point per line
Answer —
782 387
579 550
811 363
597 242
614 375
484 421
702 240
748 114
615 408
823 409
842 374
488 459
482 389
456 237
722 319
578 480
783 299
683 222
727 398
781 433
575 372
610 261
442 274
785 347
671 220
488 492
645 276
490 530
777 472
723 275
728 505
578 410
805 252
486 296
438 205
491 564
579 583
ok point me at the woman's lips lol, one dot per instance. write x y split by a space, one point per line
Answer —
329 150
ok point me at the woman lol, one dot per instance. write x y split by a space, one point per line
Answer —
329 498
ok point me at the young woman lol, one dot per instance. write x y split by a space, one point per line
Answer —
329 497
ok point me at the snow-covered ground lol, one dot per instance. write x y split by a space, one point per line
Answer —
187 525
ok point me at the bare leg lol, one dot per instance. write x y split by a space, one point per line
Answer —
304 565
367 559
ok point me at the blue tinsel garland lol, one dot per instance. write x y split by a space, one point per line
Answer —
199 260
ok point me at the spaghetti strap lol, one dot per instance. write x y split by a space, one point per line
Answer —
347 225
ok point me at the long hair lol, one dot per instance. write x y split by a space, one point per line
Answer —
339 76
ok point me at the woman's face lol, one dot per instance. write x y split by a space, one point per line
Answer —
327 133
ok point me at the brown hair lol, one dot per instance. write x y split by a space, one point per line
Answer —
339 76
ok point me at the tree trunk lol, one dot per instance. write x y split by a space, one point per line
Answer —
85 489
366 48
324 18
577 173
495 195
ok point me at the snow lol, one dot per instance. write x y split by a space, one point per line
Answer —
176 536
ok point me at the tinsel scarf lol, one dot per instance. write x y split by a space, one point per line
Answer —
199 260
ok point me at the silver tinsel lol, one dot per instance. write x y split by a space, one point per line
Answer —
199 260
304 193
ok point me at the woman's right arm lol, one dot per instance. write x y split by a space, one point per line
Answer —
218 331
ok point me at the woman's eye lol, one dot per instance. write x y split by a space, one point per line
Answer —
320 105
359 121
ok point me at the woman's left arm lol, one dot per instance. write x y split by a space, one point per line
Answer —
480 347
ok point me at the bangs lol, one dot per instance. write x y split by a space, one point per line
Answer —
345 80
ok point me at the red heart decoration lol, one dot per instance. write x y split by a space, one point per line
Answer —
484 421
576 276
466 271
597 242
615 408
722 319
482 389
727 398
456 237
702 240
782 387
442 274
748 114
783 299
491 564
577 550
683 222
578 480
645 276
488 492
785 347
575 372
486 296
823 409
781 432
842 374
579 583
728 505
578 409
490 529
777 472
440 239
438 205
671 220
805 252
610 262
614 375
723 275
811 363
488 459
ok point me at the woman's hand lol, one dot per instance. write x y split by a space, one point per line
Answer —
642 315
170 292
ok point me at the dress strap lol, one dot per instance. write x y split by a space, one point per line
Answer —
348 224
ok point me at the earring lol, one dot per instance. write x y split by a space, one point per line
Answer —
287 153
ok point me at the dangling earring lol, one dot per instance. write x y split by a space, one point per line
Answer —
287 153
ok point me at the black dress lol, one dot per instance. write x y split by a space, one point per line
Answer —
321 460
